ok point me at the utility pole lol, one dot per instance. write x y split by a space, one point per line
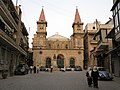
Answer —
29 36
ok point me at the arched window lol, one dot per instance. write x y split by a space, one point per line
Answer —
66 46
72 62
78 43
49 46
57 46
48 62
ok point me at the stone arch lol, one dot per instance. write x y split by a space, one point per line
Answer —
48 62
60 61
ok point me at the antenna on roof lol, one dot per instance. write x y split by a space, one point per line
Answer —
76 7
16 2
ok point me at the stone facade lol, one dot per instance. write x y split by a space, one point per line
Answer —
13 37
89 44
104 45
115 36
58 50
96 45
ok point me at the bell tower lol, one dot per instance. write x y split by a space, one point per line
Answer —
77 37
41 31
42 24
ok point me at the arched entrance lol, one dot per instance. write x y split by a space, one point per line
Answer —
48 62
72 62
60 61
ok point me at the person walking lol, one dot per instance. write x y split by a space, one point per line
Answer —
51 68
89 76
31 68
34 69
95 75
37 68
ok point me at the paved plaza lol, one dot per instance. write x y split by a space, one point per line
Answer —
69 80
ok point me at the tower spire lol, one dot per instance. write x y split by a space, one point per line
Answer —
77 16
42 15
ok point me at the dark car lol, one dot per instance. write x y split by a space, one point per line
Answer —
78 68
103 74
21 69
42 68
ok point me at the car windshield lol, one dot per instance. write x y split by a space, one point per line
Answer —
20 66
101 69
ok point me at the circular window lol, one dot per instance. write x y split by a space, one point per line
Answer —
40 52
79 52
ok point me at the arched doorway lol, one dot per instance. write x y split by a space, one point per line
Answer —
72 62
60 61
48 62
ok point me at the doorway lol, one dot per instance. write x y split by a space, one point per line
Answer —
48 62
60 61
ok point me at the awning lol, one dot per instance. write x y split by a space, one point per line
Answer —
116 49
97 33
111 34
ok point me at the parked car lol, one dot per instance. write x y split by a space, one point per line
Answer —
47 69
103 74
78 68
62 69
21 69
42 68
68 68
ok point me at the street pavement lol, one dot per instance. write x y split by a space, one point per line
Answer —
69 80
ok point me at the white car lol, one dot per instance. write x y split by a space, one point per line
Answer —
62 69
68 69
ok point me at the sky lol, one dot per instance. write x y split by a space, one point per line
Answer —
60 14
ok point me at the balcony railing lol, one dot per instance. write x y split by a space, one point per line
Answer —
102 45
8 15
4 27
93 41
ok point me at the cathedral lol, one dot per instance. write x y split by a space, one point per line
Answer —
57 50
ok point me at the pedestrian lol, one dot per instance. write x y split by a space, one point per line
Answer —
34 69
31 69
51 68
89 76
27 68
95 75
37 68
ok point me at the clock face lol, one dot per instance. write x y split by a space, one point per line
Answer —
78 26
41 25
